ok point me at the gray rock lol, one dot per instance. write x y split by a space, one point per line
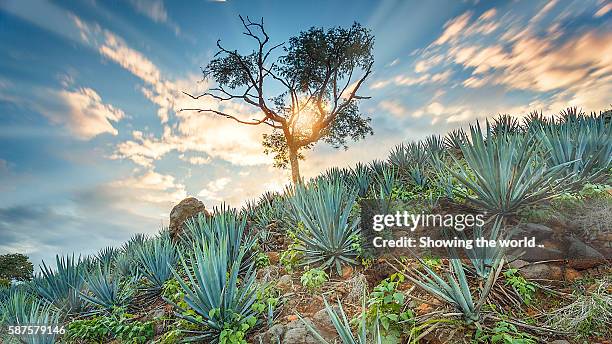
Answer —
285 283
517 264
559 341
542 271
578 249
322 319
298 333
538 231
273 335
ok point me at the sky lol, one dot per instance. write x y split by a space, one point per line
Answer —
93 148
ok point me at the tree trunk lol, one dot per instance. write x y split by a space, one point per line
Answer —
295 165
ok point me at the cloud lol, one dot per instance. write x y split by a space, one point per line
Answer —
82 111
156 11
560 64
152 187
393 107
213 188
198 132
409 80
453 28
607 7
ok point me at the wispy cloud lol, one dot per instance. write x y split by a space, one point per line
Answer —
156 11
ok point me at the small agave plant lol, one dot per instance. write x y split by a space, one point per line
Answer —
505 172
156 257
63 286
214 291
225 222
324 208
106 289
21 309
343 327
453 288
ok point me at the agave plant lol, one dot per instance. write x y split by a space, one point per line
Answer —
504 172
224 222
107 255
455 289
484 259
583 144
213 290
156 257
361 178
343 327
324 211
106 289
23 309
62 287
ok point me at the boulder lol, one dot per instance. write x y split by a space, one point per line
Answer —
542 271
298 333
185 210
584 256
538 231
273 335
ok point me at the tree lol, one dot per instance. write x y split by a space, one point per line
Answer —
315 84
15 266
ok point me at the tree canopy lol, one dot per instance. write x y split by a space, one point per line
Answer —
318 72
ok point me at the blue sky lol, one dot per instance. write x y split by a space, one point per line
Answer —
93 149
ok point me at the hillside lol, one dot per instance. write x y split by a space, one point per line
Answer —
301 267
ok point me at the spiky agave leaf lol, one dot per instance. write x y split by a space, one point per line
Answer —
107 255
23 309
224 221
62 287
106 289
454 287
213 290
324 211
343 327
361 178
156 257
582 143
484 259
505 172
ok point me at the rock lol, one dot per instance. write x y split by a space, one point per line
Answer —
518 264
538 231
297 333
559 341
579 249
542 271
584 256
273 335
323 321
185 210
285 283
274 257
157 313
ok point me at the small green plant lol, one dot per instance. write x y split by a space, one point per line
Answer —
314 279
290 259
262 260
595 190
386 307
523 287
235 333
117 325
505 333
433 262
